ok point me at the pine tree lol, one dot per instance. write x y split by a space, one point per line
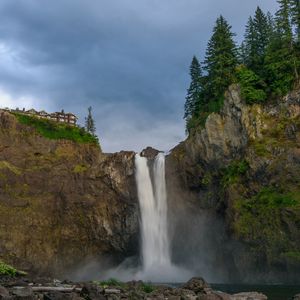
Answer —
257 38
194 90
295 13
250 52
283 21
281 62
261 25
90 123
220 60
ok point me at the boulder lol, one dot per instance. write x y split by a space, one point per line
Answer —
22 293
296 297
4 294
92 292
249 296
150 152
196 284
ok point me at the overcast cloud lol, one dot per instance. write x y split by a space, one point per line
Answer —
128 59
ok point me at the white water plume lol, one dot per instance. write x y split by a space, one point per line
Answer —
156 256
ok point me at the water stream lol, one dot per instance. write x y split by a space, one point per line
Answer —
155 246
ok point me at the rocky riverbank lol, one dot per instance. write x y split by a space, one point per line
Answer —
27 288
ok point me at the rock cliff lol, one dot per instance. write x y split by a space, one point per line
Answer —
244 168
63 202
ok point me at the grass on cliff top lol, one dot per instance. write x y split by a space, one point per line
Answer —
9 270
53 130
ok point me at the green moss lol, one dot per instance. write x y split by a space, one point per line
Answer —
259 221
9 270
80 169
207 179
6 165
234 172
293 256
53 130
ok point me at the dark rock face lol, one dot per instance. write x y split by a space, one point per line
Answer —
62 203
243 170
149 152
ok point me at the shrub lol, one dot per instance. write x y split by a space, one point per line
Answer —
9 270
147 288
233 172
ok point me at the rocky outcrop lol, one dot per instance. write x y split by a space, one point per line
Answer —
39 288
62 202
243 168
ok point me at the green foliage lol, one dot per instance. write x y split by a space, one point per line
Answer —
233 172
252 86
90 123
280 67
9 270
80 169
147 288
257 37
110 282
53 130
194 91
259 221
292 255
220 60
270 58
295 14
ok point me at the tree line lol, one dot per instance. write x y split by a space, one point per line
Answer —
266 64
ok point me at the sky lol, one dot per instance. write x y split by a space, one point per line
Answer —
128 59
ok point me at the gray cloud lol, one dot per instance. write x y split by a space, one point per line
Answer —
128 59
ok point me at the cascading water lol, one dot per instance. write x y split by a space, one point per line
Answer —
156 257
153 205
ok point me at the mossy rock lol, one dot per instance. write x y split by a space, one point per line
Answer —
9 270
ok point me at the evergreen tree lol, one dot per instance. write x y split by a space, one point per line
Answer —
90 123
261 25
249 44
220 60
295 13
257 37
194 90
283 21
281 62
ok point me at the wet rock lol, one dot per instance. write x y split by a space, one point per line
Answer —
4 294
61 296
112 291
296 297
249 296
92 292
22 293
150 152
91 195
196 284
215 296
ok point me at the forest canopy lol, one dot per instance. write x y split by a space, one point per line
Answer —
265 64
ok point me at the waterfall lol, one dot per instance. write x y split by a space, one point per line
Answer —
155 245
153 206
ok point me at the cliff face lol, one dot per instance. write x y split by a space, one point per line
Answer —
244 167
62 202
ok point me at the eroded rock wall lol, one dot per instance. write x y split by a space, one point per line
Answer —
243 168
62 202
